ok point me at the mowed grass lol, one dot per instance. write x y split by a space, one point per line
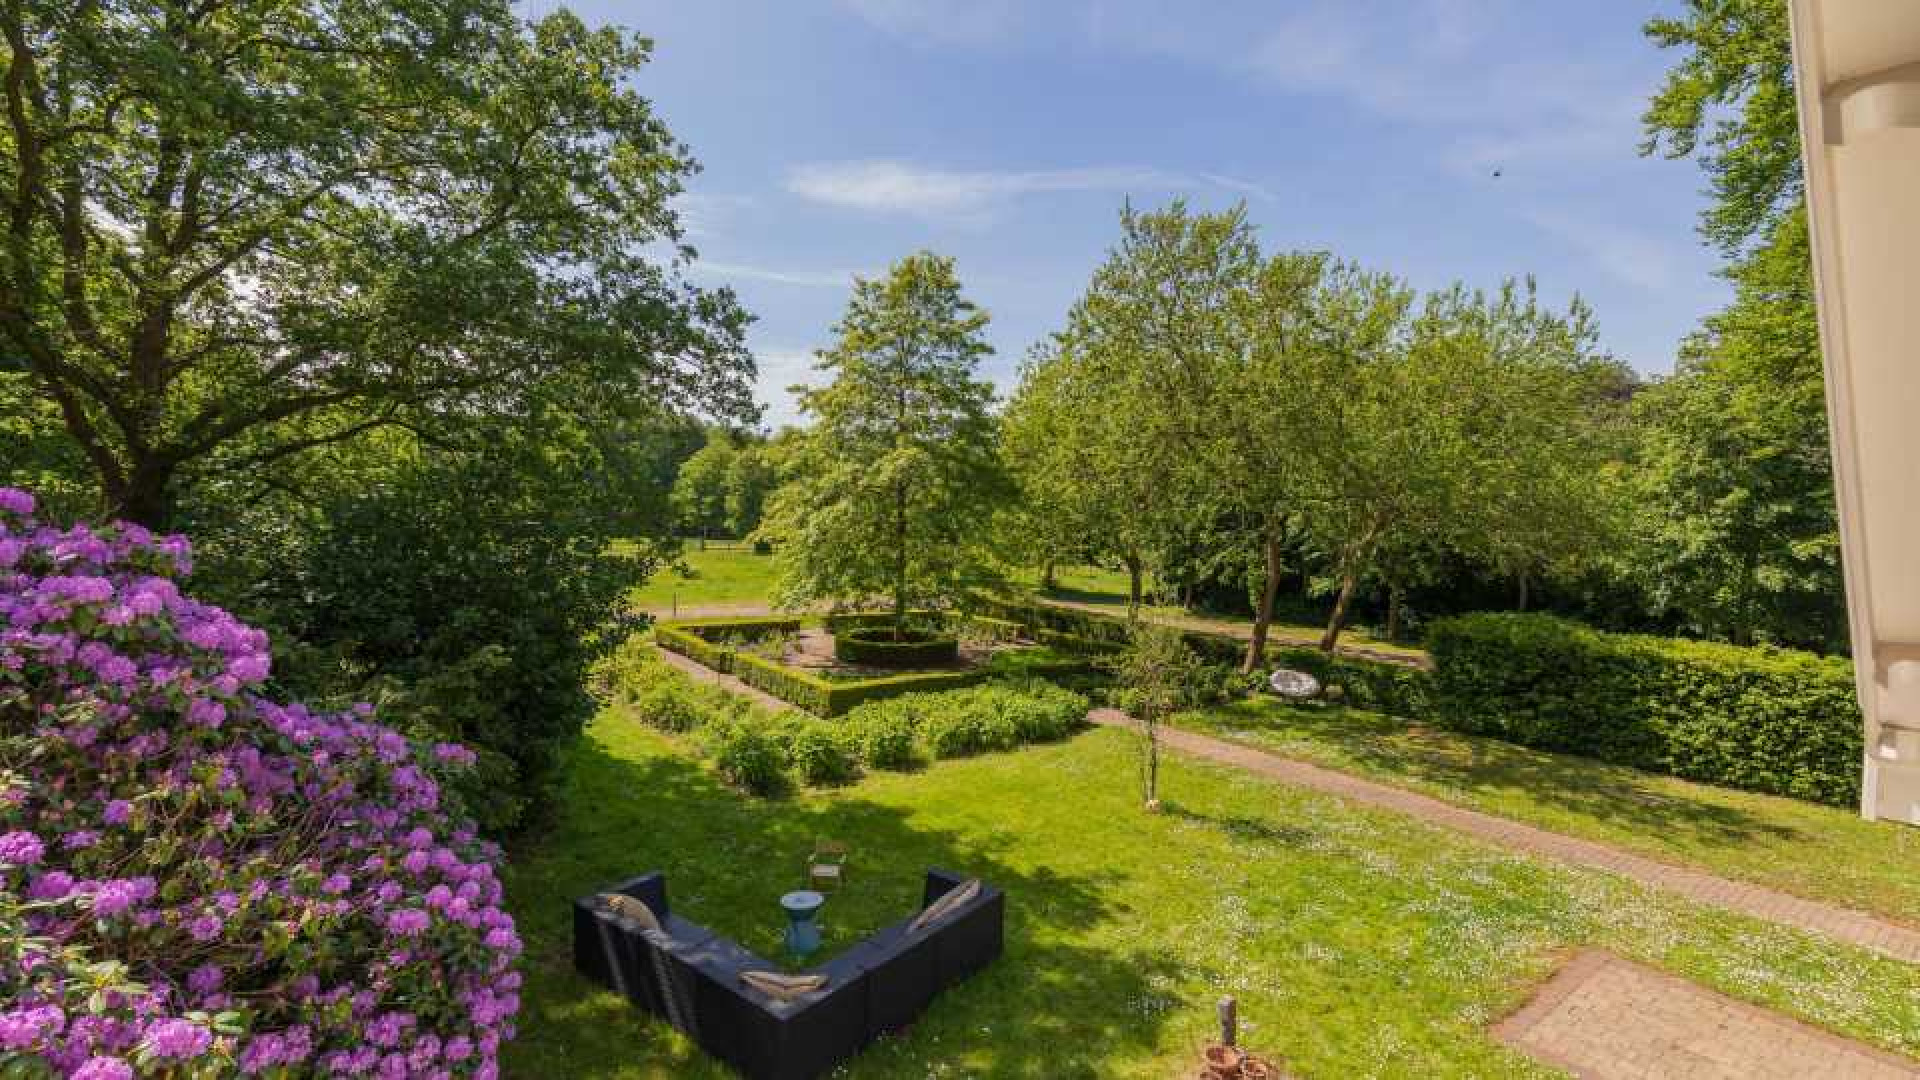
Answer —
1358 942
1105 591
714 578
1820 852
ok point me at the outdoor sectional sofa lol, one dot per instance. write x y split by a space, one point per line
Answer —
689 977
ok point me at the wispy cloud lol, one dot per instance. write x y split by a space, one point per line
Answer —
1638 258
780 370
807 279
905 188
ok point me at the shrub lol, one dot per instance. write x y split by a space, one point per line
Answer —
879 647
883 734
459 594
197 908
749 755
1763 719
820 755
669 707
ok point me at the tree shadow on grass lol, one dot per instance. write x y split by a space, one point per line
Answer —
1048 1007
1249 828
1488 767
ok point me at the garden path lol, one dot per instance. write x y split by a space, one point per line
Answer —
1844 924
1606 1017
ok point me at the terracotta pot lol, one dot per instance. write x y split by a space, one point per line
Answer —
1255 1069
1223 1062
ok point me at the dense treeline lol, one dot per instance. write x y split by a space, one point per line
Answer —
1358 452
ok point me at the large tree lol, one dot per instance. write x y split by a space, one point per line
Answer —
237 230
892 491
1735 484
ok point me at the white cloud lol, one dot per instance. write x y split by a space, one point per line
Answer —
809 279
779 370
1640 259
904 188
703 214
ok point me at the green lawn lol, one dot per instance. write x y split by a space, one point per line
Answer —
1358 942
1824 853
730 577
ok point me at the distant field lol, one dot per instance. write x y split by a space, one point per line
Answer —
736 577
717 578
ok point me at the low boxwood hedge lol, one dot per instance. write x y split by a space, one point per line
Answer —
877 646
1762 719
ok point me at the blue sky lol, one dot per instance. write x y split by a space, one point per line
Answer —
839 135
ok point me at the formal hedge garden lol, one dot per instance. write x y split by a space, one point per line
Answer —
766 753
715 643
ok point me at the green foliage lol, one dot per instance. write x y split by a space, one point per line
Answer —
461 596
1734 490
1760 719
821 754
883 734
748 755
721 489
704 642
884 647
241 237
668 706
892 489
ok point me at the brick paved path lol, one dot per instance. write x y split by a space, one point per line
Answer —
1848 925
1605 1017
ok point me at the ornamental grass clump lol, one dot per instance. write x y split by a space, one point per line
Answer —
198 881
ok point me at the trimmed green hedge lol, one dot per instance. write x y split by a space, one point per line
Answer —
875 646
1762 719
822 697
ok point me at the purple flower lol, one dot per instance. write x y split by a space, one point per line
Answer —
408 922
177 1040
205 979
21 1029
15 501
114 897
21 848
204 929
118 812
103 1068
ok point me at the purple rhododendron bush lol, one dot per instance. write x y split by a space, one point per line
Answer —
196 881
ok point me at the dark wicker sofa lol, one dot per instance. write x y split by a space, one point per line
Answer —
689 977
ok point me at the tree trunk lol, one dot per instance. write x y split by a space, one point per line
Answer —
1135 573
1263 615
1393 613
145 499
1047 583
899 562
1523 590
1338 620
1152 729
